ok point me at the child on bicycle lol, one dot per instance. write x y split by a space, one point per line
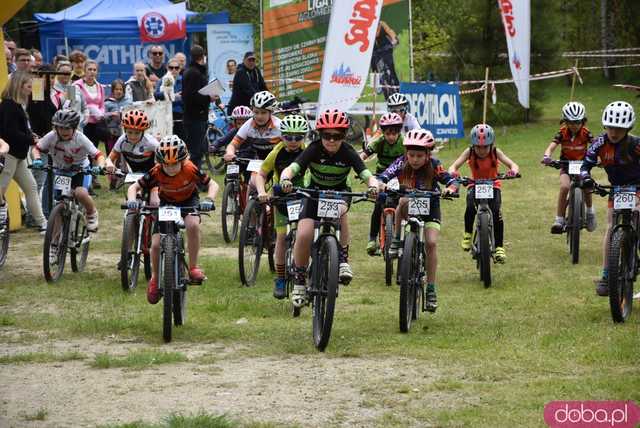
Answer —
70 149
574 139
619 154
484 159
240 115
398 103
176 179
388 147
329 161
418 169
294 129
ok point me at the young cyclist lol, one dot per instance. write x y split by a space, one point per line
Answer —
239 115
177 180
134 147
294 129
71 149
329 161
484 159
387 147
619 154
574 139
398 103
417 169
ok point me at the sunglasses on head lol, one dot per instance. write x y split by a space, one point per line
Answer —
332 136
157 53
292 138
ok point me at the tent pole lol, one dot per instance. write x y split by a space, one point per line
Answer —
66 45
411 44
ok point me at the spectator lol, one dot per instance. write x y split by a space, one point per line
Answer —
139 87
156 68
170 88
63 91
246 82
37 56
11 46
77 59
93 94
15 130
8 55
23 60
196 105
59 58
113 111
182 59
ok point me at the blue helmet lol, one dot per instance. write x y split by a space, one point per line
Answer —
482 135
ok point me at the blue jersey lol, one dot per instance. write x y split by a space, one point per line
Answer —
621 168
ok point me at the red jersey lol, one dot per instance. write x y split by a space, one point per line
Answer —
179 188
486 167
574 147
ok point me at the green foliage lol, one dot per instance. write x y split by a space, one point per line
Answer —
138 359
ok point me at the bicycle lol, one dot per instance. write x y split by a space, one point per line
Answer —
218 125
4 230
576 208
483 244
622 253
325 263
385 236
234 199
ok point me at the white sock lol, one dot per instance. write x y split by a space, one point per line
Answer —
560 219
591 210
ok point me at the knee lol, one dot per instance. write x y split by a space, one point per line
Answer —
430 245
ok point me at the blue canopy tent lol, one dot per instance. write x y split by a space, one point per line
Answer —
107 31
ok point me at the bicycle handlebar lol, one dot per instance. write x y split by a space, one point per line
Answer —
465 181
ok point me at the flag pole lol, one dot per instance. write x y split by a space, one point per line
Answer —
486 92
261 34
411 69
573 81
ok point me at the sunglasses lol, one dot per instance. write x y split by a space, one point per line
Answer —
292 138
398 110
157 53
332 136
174 68
574 122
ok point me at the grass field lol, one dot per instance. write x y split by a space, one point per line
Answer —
488 357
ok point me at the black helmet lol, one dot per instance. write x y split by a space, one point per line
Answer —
66 118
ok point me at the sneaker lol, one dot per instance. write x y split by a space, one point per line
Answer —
592 223
394 248
558 227
153 293
372 247
299 295
279 288
43 228
196 275
92 222
501 255
602 287
346 274
466 241
3 213
431 301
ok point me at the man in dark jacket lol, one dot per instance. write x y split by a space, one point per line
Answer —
196 105
246 82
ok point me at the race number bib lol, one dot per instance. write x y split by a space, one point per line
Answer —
419 206
328 208
63 184
293 210
624 198
132 177
574 167
484 191
169 214
233 168
254 165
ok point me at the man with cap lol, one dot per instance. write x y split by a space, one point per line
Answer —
246 82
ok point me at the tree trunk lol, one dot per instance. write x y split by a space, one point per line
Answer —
604 37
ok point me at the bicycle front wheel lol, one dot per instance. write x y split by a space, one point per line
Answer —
250 243
168 283
180 293
129 257
409 282
575 216
4 241
387 232
230 212
484 249
54 252
81 241
325 289
620 259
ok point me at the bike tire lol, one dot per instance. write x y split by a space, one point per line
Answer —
576 225
129 259
250 243
146 245
230 213
57 217
168 283
214 163
289 272
620 280
407 270
387 232
325 282
180 293
484 249
4 241
78 254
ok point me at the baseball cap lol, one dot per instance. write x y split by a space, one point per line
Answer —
249 55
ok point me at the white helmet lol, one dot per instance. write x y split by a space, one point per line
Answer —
573 112
618 114
397 100
265 100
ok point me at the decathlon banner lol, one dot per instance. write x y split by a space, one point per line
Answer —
437 107
352 33
162 24
516 18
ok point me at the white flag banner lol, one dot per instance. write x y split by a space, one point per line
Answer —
347 55
516 18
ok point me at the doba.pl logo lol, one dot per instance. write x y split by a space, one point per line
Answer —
592 414
154 24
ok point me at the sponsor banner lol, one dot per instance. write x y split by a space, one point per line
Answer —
163 24
160 116
295 33
437 107
227 44
516 18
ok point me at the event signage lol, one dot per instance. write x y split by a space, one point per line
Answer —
516 18
437 107
163 24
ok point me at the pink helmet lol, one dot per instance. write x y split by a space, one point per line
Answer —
420 138
242 112
390 119
335 119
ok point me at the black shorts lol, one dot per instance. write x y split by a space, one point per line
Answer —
78 180
194 200
434 212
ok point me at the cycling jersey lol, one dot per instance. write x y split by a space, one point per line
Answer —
486 167
621 168
417 179
386 152
410 122
330 171
67 154
177 188
140 156
260 139
574 147
279 159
